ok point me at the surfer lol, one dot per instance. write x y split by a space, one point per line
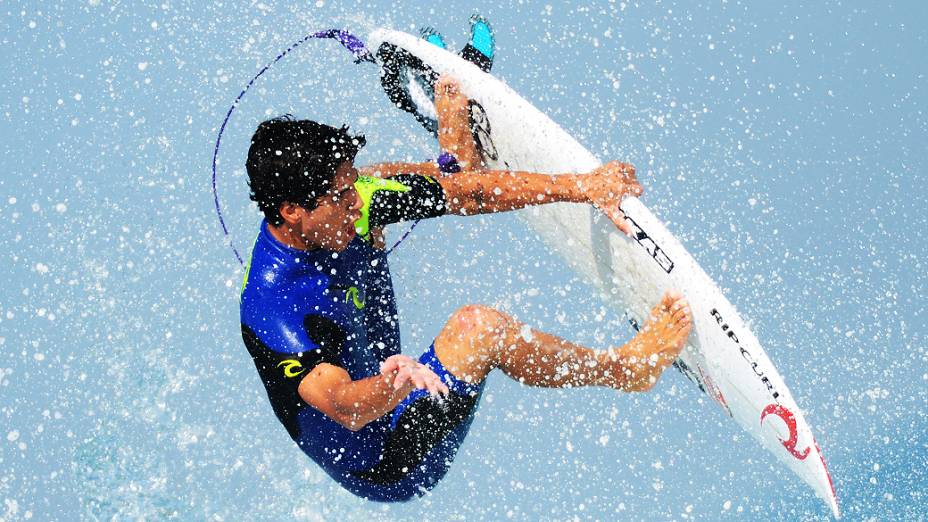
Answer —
319 318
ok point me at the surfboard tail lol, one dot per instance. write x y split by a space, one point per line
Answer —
830 495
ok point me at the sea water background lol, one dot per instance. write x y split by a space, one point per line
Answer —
784 143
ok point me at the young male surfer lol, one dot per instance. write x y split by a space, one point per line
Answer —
319 317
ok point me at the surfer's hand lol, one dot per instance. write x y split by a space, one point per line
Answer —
404 371
606 186
447 85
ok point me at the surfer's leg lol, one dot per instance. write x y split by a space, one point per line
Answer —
454 134
478 339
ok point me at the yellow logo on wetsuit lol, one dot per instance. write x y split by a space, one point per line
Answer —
290 365
366 187
352 293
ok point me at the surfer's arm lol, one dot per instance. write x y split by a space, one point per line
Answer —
310 368
487 191
408 196
354 404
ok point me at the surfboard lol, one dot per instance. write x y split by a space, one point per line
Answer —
723 358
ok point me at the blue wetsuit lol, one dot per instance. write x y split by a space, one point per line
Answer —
301 308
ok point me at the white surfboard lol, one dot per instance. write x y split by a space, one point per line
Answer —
723 358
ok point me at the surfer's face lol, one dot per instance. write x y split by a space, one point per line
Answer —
330 225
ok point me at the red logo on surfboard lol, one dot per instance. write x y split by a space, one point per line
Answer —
713 390
790 420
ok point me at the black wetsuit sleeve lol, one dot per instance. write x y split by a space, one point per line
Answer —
283 372
424 198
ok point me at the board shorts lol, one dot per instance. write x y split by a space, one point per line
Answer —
424 436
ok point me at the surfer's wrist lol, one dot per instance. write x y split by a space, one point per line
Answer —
571 188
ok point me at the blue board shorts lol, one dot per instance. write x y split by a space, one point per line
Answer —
424 436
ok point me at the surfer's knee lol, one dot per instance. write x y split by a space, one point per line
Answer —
468 345
477 320
479 329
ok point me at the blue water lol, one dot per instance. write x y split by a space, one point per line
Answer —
784 142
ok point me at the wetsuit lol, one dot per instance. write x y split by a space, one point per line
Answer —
302 308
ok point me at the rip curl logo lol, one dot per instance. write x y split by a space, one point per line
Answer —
745 353
790 420
353 295
290 367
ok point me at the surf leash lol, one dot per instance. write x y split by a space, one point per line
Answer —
350 42
447 163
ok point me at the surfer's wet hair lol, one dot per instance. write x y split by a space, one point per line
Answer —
295 161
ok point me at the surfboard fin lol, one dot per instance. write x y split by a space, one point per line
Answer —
411 85
430 35
481 48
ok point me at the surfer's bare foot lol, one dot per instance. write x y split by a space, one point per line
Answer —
638 365
454 134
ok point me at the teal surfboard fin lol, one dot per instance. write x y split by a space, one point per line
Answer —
430 35
481 48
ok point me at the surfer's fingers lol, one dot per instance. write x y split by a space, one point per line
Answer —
624 226
620 222
612 212
626 170
669 298
617 217
674 296
441 386
402 376
432 387
436 387
418 380
390 366
683 319
447 84
386 367
626 176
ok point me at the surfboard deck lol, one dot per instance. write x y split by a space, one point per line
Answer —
723 357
